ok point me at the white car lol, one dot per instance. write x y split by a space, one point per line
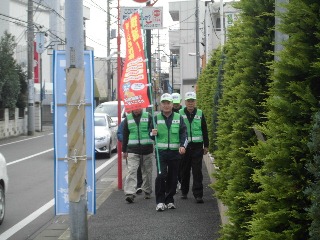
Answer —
3 186
105 130
111 108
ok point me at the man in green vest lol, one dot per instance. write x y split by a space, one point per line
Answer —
171 143
176 100
198 143
137 147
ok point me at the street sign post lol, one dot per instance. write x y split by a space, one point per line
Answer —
60 133
152 17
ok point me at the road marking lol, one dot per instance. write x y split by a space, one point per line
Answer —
14 229
27 220
31 156
102 166
5 144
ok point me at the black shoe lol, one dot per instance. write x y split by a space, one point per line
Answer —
199 200
130 198
184 196
147 196
138 191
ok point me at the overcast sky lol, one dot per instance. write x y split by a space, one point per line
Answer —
96 27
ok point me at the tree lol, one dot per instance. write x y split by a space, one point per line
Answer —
246 74
10 73
280 208
209 83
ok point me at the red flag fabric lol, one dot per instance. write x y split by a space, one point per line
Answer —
134 80
37 65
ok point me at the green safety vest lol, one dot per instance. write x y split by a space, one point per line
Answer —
194 128
139 133
168 138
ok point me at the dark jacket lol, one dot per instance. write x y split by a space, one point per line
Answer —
137 148
204 129
177 110
174 154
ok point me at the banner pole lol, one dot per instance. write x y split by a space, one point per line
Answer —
150 94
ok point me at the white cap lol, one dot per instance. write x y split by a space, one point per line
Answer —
190 95
166 97
176 98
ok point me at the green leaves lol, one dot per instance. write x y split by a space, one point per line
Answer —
11 74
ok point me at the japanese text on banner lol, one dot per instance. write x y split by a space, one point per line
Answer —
134 89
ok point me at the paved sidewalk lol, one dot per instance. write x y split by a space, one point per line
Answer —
119 220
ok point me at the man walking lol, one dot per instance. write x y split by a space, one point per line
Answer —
171 142
137 148
139 174
198 143
176 100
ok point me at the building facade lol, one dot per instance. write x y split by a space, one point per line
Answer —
183 40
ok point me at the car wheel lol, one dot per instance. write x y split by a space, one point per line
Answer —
115 148
109 152
2 204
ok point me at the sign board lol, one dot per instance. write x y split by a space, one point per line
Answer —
60 133
152 17
40 41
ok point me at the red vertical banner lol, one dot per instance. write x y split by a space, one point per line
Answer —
133 85
37 63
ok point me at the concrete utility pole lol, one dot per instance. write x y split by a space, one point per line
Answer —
108 51
197 40
222 23
279 36
30 69
76 120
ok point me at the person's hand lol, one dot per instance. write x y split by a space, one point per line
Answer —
125 155
182 150
154 132
205 151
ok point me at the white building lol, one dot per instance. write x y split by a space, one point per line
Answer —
48 18
182 40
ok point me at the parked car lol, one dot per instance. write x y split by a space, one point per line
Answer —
3 186
111 108
105 134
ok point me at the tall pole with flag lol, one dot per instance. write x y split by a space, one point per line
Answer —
135 82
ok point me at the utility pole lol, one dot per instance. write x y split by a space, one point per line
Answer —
108 51
197 40
76 137
30 69
279 36
221 23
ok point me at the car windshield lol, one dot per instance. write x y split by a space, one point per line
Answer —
111 110
100 121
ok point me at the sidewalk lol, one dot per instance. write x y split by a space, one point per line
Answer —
117 219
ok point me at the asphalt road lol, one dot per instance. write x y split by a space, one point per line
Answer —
29 200
30 213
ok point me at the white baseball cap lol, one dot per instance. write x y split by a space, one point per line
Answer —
190 95
176 98
166 97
